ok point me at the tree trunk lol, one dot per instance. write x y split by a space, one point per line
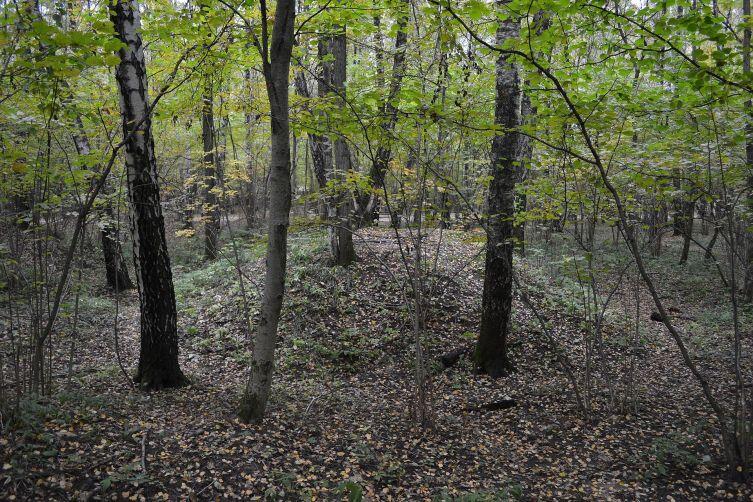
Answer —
210 211
525 155
341 234
677 205
189 186
116 270
748 286
687 228
158 358
321 148
276 70
491 348
709 254
250 188
703 214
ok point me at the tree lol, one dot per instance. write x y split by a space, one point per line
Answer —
341 235
748 113
116 270
250 120
321 148
276 54
333 58
158 357
496 304
368 203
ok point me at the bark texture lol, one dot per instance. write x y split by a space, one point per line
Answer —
158 358
491 347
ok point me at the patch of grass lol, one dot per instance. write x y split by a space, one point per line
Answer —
28 419
673 451
96 305
349 352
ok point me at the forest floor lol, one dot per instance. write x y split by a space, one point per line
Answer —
340 421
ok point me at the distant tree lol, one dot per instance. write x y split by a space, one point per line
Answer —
321 147
116 270
210 211
341 235
748 113
158 358
368 203
251 119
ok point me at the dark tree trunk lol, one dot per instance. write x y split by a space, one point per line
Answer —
525 155
116 270
687 228
491 348
211 214
321 148
158 358
341 206
276 67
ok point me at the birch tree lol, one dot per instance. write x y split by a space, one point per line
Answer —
158 357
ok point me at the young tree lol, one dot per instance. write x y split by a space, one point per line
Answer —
210 211
158 358
276 54
496 305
